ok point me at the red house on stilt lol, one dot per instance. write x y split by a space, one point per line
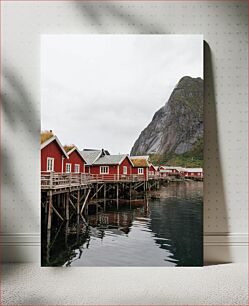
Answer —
112 166
140 166
52 155
153 170
75 162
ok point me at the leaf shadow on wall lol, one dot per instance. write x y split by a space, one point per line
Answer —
215 210
21 118
96 14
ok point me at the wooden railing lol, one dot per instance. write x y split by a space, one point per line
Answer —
50 180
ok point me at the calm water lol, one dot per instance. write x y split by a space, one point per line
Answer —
165 230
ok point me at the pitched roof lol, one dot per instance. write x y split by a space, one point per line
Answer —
140 161
90 155
110 159
151 165
51 139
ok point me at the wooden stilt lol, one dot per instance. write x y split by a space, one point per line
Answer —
71 202
48 246
57 213
50 209
78 202
67 206
95 194
104 196
78 227
97 186
83 205
66 231
46 207
117 195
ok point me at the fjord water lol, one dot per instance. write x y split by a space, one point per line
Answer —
163 229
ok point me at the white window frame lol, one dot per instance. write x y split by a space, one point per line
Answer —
68 170
77 166
140 171
125 170
104 170
52 165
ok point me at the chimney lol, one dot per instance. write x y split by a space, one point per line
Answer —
103 152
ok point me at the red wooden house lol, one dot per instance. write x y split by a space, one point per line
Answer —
90 156
75 162
52 155
171 171
112 166
193 173
140 166
152 170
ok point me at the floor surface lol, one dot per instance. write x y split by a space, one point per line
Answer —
29 284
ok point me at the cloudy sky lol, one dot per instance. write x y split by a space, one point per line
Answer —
101 91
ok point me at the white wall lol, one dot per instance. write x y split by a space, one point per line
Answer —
224 25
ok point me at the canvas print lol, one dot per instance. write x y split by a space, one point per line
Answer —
121 150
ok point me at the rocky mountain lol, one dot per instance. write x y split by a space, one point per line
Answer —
177 127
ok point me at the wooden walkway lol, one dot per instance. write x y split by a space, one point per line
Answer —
51 180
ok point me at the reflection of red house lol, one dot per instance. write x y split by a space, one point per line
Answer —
75 163
118 165
140 166
52 155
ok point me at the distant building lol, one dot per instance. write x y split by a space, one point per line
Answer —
193 173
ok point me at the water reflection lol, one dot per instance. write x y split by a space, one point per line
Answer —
162 230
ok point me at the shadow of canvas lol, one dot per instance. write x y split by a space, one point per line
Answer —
215 210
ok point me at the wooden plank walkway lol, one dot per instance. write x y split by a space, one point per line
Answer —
52 180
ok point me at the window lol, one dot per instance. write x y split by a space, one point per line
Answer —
77 168
68 168
140 171
125 170
50 164
104 170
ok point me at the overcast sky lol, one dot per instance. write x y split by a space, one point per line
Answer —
101 91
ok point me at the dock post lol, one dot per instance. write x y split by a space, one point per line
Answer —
50 209
78 228
67 206
78 202
46 207
59 201
130 190
104 196
64 201
117 195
